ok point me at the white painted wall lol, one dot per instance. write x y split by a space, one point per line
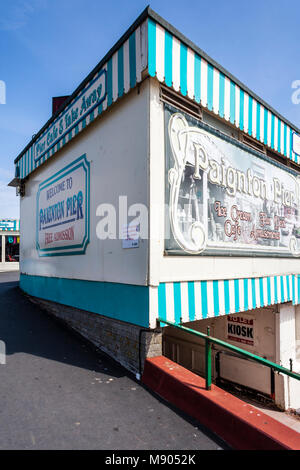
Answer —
164 268
116 146
289 393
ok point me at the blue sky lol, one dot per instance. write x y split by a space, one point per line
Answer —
47 47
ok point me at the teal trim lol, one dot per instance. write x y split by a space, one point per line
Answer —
272 131
275 290
232 102
265 126
132 60
216 298
261 292
288 288
279 136
254 304
197 78
168 58
242 109
246 295
183 69
269 290
191 294
123 302
236 295
293 289
151 47
226 296
162 301
210 87
285 140
250 115
282 289
258 121
204 299
109 82
120 71
177 302
221 95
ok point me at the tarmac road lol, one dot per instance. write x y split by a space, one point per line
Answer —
58 393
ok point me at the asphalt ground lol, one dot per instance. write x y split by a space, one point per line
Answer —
57 392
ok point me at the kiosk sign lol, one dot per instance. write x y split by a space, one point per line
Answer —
240 329
225 199
62 224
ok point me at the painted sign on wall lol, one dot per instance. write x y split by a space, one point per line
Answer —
9 225
225 199
62 224
90 97
240 329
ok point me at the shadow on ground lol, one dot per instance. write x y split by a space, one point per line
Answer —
26 328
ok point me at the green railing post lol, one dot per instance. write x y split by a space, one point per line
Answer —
208 362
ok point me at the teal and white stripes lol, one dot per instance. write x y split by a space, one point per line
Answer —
178 66
197 300
124 71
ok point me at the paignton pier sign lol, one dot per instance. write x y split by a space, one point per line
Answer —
62 220
224 199
86 101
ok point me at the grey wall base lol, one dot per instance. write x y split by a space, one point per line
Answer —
124 342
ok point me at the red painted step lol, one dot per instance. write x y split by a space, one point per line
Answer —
239 424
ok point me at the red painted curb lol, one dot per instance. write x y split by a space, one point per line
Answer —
240 425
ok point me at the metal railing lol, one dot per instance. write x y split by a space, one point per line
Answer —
209 340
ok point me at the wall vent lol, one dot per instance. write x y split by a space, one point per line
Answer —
253 143
167 95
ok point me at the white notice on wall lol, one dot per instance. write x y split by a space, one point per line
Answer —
131 236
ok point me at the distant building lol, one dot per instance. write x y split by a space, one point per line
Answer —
9 243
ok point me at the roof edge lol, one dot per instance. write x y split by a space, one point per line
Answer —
107 56
156 17
149 13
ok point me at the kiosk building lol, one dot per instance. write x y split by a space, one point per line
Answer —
164 188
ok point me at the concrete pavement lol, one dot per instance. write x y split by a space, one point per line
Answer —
57 393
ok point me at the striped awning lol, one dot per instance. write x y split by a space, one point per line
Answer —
123 70
153 46
192 74
182 302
